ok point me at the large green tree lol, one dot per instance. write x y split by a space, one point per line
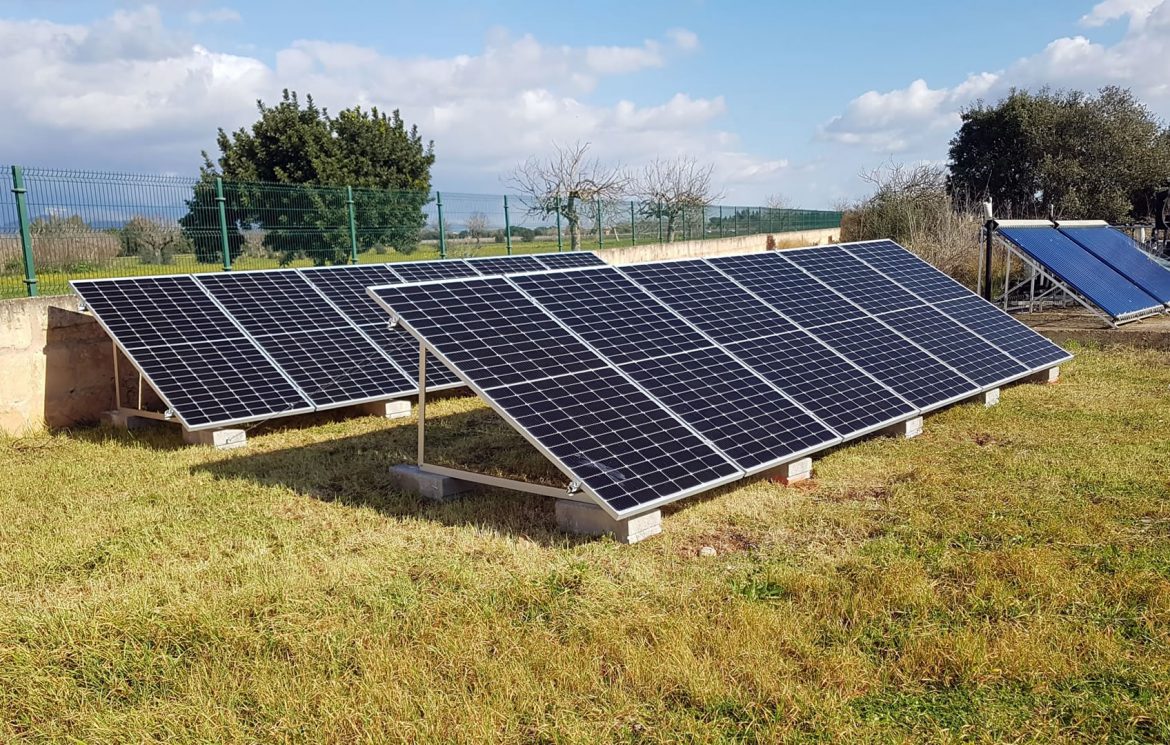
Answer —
1065 152
285 177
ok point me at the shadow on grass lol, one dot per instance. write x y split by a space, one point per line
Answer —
354 471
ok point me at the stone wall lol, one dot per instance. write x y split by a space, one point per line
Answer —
714 246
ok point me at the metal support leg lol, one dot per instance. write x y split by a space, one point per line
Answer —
117 379
1007 278
422 402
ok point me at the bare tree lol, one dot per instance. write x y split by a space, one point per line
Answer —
566 179
778 202
668 188
477 225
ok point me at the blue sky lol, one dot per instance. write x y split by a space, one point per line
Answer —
791 99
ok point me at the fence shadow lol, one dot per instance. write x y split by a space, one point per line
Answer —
354 471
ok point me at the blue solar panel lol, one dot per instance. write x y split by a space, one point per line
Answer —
611 313
1120 252
908 270
954 345
148 311
701 294
744 416
852 278
1092 278
1008 334
569 259
272 302
889 358
497 265
787 288
423 271
345 286
847 398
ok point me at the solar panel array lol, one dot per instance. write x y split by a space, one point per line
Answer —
1120 252
730 366
1087 273
226 348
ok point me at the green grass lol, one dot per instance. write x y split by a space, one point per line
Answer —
1003 577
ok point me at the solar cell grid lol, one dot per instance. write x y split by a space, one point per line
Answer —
852 278
345 286
749 420
569 260
626 448
336 366
846 398
494 265
272 302
908 270
423 271
712 302
489 330
403 349
1120 252
1007 333
954 345
785 287
889 358
611 313
150 311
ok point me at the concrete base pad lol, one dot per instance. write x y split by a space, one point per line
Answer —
409 478
582 518
220 439
789 473
990 398
1051 375
909 428
387 409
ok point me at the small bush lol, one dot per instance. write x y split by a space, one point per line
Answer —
771 243
63 244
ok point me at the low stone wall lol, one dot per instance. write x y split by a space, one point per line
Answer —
715 246
56 365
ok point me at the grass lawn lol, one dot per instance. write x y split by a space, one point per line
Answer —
1005 576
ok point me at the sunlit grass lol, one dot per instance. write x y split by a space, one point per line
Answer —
1005 576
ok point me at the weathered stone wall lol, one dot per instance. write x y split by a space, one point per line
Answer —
714 246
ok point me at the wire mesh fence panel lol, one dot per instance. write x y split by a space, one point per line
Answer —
89 224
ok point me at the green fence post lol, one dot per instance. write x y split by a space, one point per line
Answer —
560 245
442 229
600 230
720 221
735 220
507 226
30 269
633 227
221 205
685 228
352 225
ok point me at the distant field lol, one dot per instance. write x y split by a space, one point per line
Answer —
1006 576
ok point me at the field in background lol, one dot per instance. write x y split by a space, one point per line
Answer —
1005 576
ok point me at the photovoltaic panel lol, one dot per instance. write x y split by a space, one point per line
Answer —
912 373
489 330
908 270
346 287
623 446
853 279
569 259
148 311
218 382
422 271
272 302
1005 332
1082 271
708 299
749 420
403 349
954 345
611 313
785 287
496 265
845 397
1120 252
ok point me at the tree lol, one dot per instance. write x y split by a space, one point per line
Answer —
1061 152
152 241
668 188
311 157
564 181
477 224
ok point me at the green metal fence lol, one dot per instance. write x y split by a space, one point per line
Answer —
57 225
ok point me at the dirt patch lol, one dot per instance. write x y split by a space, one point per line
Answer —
725 540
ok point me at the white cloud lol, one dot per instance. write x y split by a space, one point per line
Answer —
216 15
1112 10
129 93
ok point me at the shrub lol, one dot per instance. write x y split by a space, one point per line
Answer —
153 241
66 244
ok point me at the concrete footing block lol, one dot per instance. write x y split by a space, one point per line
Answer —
220 439
990 398
790 473
582 518
386 409
1051 375
909 428
410 478
121 420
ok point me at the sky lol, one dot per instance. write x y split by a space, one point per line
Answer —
787 99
